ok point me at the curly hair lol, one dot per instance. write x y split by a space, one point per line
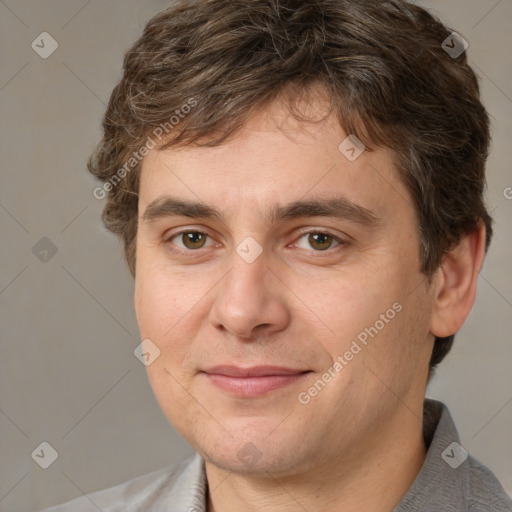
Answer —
202 68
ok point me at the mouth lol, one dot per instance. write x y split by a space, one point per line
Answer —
254 381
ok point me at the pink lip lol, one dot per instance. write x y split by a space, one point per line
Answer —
252 381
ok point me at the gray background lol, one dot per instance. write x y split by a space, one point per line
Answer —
68 374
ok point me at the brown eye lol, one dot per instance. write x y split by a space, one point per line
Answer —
189 240
193 239
320 241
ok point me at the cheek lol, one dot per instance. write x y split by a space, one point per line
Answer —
400 353
162 311
373 306
354 300
161 307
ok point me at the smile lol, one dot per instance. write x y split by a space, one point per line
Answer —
252 381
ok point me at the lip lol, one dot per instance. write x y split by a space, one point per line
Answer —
254 381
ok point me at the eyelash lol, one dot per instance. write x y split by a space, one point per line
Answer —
187 252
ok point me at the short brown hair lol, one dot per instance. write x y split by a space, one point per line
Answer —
382 65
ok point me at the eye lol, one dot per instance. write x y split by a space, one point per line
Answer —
191 239
320 240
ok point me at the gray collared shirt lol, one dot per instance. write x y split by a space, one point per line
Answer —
449 481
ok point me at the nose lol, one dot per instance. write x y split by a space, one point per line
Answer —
251 300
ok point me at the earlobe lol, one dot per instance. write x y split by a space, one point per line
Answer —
457 282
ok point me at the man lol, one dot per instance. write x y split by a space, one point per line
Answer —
299 188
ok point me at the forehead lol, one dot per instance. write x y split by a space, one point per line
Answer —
274 159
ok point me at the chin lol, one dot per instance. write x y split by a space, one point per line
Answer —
250 460
252 448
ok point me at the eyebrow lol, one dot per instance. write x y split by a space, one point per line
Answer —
338 207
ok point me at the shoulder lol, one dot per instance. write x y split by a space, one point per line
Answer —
450 479
143 491
486 492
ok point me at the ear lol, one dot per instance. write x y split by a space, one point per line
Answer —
456 283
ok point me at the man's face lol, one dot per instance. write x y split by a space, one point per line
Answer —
282 349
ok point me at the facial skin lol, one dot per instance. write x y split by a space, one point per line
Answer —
294 306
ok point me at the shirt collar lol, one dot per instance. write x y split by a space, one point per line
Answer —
444 480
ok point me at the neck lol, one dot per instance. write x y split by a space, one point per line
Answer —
373 477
